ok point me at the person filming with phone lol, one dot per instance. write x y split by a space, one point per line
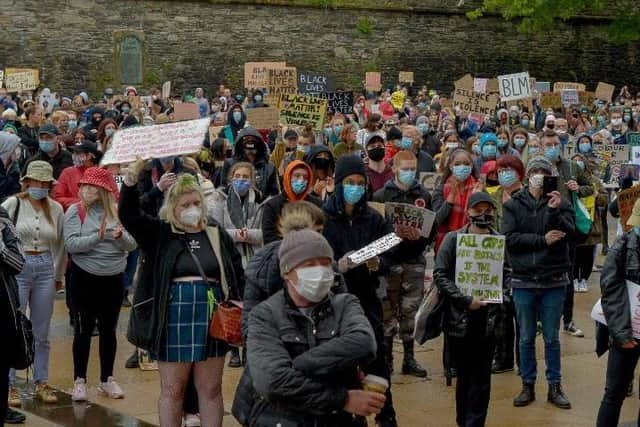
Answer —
539 224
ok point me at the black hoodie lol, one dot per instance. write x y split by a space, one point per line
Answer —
311 156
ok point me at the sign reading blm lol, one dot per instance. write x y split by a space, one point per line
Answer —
339 102
514 86
314 84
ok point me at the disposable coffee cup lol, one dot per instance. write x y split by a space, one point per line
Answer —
375 383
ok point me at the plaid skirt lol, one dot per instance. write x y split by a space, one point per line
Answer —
186 336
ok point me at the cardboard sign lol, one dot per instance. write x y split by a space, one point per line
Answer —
605 91
472 102
379 207
569 97
587 98
633 291
410 216
1 78
256 74
626 199
301 109
314 83
480 85
373 81
339 102
171 139
405 77
543 87
281 80
514 86
617 155
134 101
558 86
479 266
166 90
375 248
21 79
430 180
263 117
186 111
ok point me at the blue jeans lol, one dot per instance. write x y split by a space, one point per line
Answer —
546 305
37 292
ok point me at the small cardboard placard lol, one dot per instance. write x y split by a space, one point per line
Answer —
263 117
301 109
186 111
373 81
480 266
410 216
605 91
21 79
405 77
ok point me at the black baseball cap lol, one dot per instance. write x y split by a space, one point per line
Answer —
480 198
85 147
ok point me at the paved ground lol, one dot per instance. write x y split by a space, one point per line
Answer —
418 402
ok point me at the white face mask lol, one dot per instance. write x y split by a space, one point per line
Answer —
616 122
191 216
315 282
536 181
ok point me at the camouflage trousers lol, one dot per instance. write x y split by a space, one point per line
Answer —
405 288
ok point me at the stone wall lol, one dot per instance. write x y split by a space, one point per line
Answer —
202 43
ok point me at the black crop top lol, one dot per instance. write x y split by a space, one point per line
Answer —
201 247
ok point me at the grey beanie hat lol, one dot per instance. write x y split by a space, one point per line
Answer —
540 162
299 246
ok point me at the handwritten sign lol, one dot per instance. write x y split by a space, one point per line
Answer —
559 86
263 117
410 216
186 111
301 109
405 77
480 85
633 291
473 102
315 84
171 139
373 81
543 87
569 97
604 91
256 74
339 102
375 248
617 155
479 266
514 86
550 100
626 199
279 81
20 79
166 90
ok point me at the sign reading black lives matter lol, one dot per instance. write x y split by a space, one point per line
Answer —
480 265
339 102
315 84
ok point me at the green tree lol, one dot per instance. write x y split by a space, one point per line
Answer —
622 17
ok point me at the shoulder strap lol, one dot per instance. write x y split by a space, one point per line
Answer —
198 265
16 211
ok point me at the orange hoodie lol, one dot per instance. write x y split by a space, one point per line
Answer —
286 181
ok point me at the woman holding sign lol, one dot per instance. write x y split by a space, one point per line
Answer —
470 322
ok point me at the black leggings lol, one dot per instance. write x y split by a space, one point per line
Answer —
4 383
95 298
583 262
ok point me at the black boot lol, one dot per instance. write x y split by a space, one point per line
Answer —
526 396
410 365
234 360
14 417
557 396
388 353
132 362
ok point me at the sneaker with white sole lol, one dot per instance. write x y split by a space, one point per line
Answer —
573 330
110 389
192 420
14 398
585 285
79 393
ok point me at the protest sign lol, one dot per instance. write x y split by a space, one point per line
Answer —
429 180
605 91
492 86
171 139
543 87
214 131
263 117
1 78
586 98
472 102
633 292
379 207
397 99
314 83
134 101
480 85
281 80
256 74
405 77
479 266
558 86
186 111
617 155
626 199
410 216
550 100
302 109
633 139
569 97
373 81
514 86
166 90
339 102
375 248
20 79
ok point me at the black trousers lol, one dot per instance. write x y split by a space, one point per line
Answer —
583 262
4 385
605 227
473 357
508 337
620 367
567 313
95 298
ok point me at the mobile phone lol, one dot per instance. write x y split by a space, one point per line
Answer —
549 184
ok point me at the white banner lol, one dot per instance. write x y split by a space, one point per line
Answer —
479 266
377 247
514 86
147 142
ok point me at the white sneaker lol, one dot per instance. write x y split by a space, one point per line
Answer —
110 389
576 285
585 286
79 393
192 420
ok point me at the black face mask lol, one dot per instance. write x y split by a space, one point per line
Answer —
483 221
492 183
96 120
322 164
376 154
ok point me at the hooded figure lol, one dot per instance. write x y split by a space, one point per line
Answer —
9 170
250 147
322 164
235 122
91 128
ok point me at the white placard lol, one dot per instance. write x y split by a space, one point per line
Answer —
514 86
377 247
479 266
480 85
569 97
171 139
166 90
411 216
1 77
633 291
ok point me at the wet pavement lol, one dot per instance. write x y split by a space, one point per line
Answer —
418 402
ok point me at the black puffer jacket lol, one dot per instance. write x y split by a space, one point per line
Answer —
457 316
300 368
622 264
525 222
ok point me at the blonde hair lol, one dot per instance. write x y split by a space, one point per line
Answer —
57 116
108 202
191 163
45 205
246 165
300 215
186 184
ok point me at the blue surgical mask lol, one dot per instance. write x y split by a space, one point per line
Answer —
423 128
507 177
338 130
72 124
524 123
462 172
299 185
109 131
533 151
580 164
552 153
38 193
475 148
502 143
328 131
46 146
241 185
489 151
519 142
626 118
304 148
237 116
584 147
406 143
257 98
407 177
352 193
636 230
